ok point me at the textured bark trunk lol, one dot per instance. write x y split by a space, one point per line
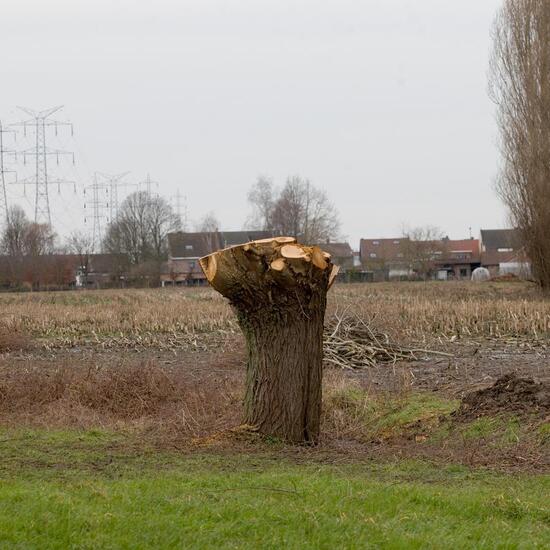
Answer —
284 367
278 291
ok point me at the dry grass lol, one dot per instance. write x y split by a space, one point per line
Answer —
173 317
13 339
140 396
169 404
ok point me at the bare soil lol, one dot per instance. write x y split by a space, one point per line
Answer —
510 394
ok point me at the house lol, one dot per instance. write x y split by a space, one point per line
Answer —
502 252
100 270
404 258
385 258
185 249
458 258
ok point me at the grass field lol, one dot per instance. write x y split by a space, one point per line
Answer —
119 416
83 490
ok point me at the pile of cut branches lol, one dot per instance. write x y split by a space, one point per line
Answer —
350 342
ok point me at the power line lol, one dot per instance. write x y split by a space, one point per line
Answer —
39 121
114 182
179 202
99 203
148 183
3 171
103 202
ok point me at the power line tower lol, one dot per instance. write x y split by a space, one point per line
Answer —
39 121
179 203
3 172
113 183
99 205
147 184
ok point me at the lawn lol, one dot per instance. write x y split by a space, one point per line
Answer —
97 490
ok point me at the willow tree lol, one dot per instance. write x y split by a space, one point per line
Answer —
278 291
520 86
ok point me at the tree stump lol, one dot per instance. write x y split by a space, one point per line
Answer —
278 290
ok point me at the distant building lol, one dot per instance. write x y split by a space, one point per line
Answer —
502 252
401 258
458 259
100 270
185 249
385 258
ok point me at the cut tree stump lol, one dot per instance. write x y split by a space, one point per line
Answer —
278 290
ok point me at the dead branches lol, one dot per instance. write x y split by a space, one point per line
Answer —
351 343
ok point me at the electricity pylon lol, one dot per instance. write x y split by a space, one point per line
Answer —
39 121
4 211
104 202
180 206
99 203
148 183
113 183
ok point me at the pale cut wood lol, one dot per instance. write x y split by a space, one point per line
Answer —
294 251
318 259
278 240
332 276
278 265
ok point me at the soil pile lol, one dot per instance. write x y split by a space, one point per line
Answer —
509 393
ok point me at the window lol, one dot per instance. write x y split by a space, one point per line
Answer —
395 242
191 265
376 243
400 255
188 247
463 272
372 254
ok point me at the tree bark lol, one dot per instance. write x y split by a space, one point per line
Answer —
278 290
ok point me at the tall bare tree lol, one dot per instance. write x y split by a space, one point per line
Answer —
299 209
13 237
262 198
209 223
21 237
520 86
140 228
422 247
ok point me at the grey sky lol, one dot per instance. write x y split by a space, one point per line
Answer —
383 103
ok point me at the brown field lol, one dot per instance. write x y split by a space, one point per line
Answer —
167 366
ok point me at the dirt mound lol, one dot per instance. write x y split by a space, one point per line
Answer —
509 393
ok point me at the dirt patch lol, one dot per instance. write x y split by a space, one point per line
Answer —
509 394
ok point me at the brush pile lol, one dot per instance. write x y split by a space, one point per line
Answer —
350 342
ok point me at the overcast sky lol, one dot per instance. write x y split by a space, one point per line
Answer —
382 103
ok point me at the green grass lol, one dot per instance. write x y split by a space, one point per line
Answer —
98 490
389 416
